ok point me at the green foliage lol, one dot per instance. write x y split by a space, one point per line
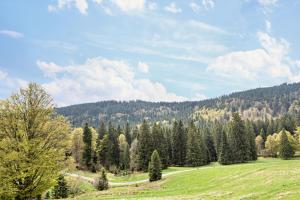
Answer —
87 150
128 133
102 182
33 141
286 150
179 143
61 190
159 143
155 167
124 153
251 141
212 154
225 151
145 146
238 139
197 153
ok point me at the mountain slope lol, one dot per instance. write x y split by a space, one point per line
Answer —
253 104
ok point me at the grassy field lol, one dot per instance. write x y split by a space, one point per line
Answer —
263 179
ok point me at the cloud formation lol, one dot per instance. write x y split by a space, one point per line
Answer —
81 5
12 34
271 60
172 8
100 79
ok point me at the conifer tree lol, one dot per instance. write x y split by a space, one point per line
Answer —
87 151
197 153
225 151
155 167
179 144
160 144
217 134
168 135
212 155
286 150
103 153
144 146
101 133
102 182
61 190
263 135
251 141
113 147
238 139
128 133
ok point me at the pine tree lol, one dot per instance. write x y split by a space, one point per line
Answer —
155 167
61 189
212 155
144 146
103 151
197 153
238 139
113 147
128 133
160 144
102 182
263 135
179 144
225 151
168 135
251 141
217 133
101 133
286 150
87 151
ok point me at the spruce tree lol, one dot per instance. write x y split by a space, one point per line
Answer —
168 135
144 146
61 189
286 150
238 139
87 151
225 151
160 144
212 154
113 147
251 141
101 133
155 167
179 144
217 134
263 135
102 182
197 153
128 133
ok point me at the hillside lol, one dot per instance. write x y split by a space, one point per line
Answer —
266 178
253 104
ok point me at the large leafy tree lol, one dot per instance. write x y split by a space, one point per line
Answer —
33 142
124 152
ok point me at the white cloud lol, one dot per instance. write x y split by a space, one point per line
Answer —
12 34
268 26
101 79
173 8
8 83
267 2
81 5
208 4
152 6
195 7
143 67
206 27
269 61
130 5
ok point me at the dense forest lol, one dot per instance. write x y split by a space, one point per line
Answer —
256 104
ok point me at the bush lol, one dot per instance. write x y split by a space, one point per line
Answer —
102 182
61 189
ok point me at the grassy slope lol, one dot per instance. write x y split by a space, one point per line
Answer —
263 179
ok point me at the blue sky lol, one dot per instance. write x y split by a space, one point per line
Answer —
92 50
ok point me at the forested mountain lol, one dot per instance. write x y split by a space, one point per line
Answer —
255 104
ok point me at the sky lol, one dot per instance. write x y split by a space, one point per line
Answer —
92 50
